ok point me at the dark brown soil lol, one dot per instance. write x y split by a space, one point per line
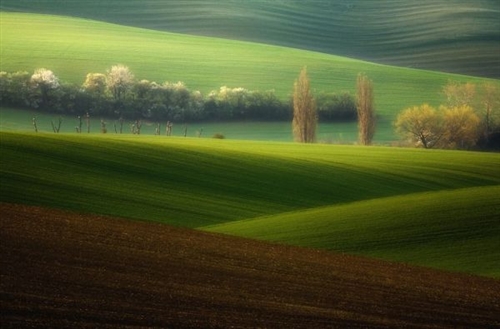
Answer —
61 269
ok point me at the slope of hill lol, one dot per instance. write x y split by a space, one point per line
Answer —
64 269
74 47
454 230
200 182
459 36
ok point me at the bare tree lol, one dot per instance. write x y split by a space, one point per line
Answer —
459 94
104 130
35 125
366 110
80 124
87 121
56 128
304 110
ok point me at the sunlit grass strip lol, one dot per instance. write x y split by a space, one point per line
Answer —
455 230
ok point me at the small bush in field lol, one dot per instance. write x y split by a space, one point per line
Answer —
218 136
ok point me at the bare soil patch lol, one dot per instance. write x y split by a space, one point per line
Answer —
61 269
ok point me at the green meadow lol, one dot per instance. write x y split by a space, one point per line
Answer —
452 229
456 36
74 47
428 207
328 132
431 208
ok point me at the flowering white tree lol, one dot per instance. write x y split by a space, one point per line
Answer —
44 81
45 78
119 79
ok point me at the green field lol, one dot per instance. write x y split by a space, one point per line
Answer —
145 230
335 133
433 208
74 47
453 229
456 36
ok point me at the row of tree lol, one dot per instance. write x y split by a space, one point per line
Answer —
469 119
118 94
305 110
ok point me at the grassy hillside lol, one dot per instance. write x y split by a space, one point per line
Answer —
200 182
74 47
454 230
63 269
457 36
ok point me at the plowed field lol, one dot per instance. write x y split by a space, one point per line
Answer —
61 269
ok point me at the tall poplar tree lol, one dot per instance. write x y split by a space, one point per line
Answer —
304 110
366 110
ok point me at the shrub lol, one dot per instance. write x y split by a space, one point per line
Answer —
218 136
336 107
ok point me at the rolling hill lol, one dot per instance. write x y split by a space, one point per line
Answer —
444 202
74 47
457 36
107 230
63 269
452 229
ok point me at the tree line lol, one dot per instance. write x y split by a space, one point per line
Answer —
469 119
118 94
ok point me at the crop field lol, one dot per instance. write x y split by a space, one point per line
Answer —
61 269
325 196
191 231
74 47
459 36
446 229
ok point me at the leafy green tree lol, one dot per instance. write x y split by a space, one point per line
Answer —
304 110
265 105
15 89
95 90
70 99
229 103
178 100
336 107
